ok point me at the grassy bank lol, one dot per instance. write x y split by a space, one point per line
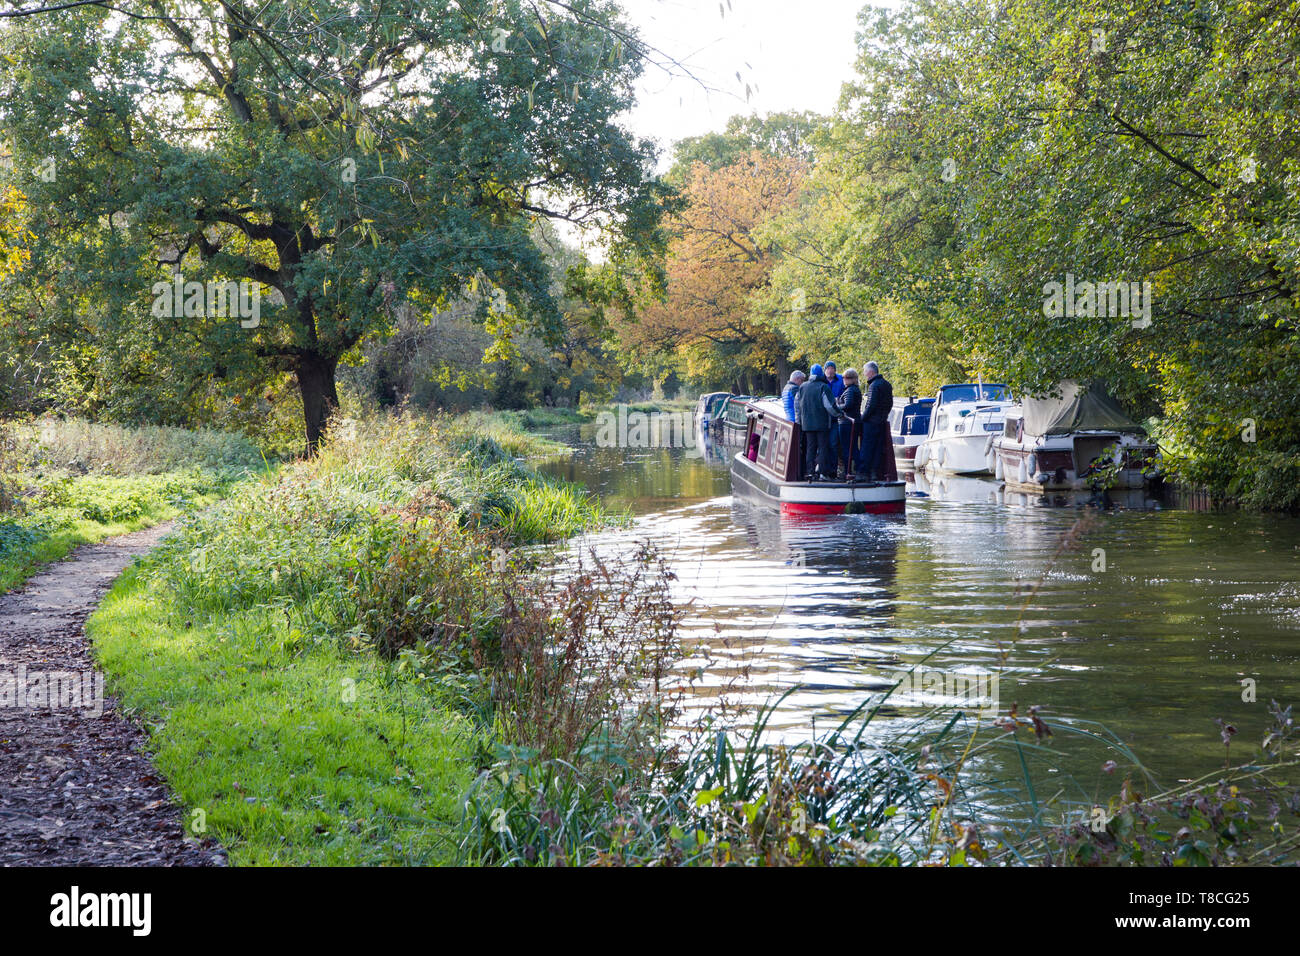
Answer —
68 483
313 654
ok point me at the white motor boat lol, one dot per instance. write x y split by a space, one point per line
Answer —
962 420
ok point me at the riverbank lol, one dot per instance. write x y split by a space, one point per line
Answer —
314 656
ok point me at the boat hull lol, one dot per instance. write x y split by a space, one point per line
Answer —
957 454
1060 462
905 455
817 498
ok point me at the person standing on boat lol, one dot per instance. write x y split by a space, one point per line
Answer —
850 427
788 395
876 440
836 382
817 414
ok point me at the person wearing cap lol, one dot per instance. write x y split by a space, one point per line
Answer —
788 395
817 414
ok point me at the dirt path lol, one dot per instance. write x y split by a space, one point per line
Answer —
76 788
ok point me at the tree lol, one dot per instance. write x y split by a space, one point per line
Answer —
786 135
716 264
342 157
984 152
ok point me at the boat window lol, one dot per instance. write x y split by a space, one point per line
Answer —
975 393
916 424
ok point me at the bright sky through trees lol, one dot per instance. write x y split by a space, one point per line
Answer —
794 56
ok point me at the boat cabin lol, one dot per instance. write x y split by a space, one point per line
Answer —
772 441
910 417
710 405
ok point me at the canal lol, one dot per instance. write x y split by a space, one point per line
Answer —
1144 620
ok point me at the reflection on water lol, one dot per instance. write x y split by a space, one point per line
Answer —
1155 646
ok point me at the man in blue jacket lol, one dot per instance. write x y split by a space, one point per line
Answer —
817 414
788 394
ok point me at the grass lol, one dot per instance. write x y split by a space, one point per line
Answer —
55 516
294 755
369 569
53 444
69 482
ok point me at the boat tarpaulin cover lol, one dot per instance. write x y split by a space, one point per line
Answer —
1079 408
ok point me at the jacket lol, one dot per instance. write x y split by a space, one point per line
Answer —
850 402
815 407
788 400
880 401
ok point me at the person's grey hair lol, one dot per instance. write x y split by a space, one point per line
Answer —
850 373
797 376
871 367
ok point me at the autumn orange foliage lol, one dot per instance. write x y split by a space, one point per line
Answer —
715 265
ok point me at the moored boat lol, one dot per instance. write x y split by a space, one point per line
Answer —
1073 442
708 408
909 421
734 420
767 470
961 421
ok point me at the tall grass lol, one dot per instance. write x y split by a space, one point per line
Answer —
83 446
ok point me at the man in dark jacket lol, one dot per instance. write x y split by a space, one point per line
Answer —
836 381
876 439
850 403
817 415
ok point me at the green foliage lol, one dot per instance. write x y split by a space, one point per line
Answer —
54 514
983 152
393 158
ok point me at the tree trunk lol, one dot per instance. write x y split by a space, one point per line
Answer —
320 397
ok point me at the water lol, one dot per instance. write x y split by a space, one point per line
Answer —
1155 647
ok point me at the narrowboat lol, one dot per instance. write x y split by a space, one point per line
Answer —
910 422
708 408
961 421
1073 442
734 420
767 470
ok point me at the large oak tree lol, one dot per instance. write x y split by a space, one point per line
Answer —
343 156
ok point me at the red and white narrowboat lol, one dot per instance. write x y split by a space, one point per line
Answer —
767 470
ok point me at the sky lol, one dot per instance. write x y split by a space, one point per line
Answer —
794 54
